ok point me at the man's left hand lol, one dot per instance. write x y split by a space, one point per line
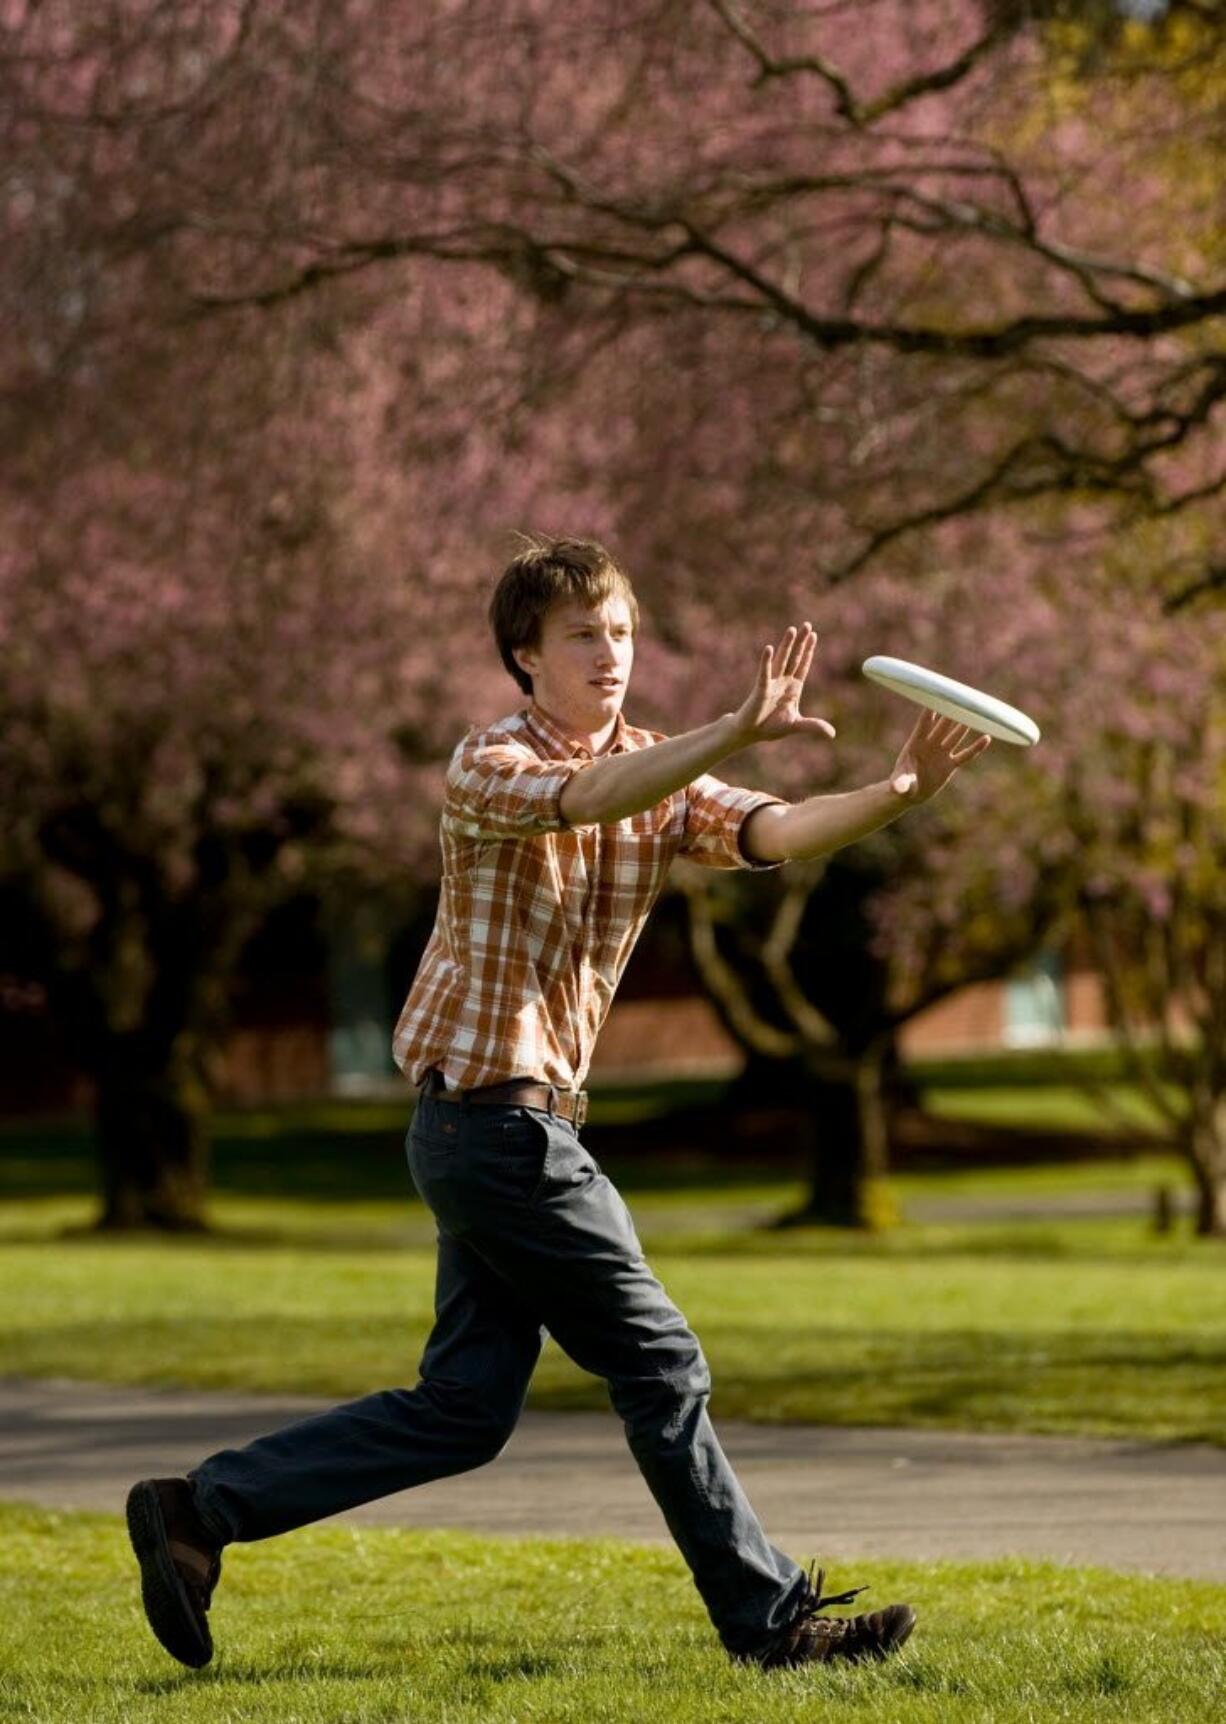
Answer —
933 752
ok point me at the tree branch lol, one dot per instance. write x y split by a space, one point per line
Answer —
1213 580
722 980
859 113
815 1028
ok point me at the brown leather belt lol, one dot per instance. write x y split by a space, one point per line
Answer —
568 1104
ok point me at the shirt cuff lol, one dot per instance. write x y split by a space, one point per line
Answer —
759 866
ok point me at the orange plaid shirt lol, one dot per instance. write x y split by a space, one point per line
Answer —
537 918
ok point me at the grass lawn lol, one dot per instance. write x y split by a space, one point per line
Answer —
1054 1107
1088 1326
1065 1325
336 1625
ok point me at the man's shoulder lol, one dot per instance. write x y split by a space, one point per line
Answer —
510 731
516 730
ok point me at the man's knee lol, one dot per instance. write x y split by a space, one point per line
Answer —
480 1427
663 1405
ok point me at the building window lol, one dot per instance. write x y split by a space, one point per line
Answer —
360 1036
1034 1004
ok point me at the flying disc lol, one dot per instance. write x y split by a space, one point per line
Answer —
957 700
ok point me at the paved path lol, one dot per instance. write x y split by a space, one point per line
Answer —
826 1491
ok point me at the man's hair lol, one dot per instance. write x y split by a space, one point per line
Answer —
548 569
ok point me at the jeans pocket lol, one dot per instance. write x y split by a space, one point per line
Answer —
567 1166
435 1127
521 1141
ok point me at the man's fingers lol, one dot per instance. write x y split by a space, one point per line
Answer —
785 649
795 649
806 655
979 746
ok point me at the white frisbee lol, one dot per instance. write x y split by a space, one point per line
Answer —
957 700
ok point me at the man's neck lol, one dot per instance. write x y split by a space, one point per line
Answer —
595 743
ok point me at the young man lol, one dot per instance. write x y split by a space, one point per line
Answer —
558 828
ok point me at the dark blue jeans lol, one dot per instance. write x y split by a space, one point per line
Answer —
533 1239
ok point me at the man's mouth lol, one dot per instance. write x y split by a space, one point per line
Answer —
607 682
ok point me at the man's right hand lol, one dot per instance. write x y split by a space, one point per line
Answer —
773 707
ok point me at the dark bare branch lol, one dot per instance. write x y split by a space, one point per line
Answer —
1212 581
860 113
769 68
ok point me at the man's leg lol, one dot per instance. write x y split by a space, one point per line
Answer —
527 1197
474 1375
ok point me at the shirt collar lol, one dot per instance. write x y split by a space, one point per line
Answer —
560 743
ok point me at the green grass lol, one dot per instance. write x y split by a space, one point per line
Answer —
1071 1326
337 1626
1025 1066
1050 1107
1092 1326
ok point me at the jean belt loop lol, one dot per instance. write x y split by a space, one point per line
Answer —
553 1101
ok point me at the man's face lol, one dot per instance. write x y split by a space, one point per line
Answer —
581 667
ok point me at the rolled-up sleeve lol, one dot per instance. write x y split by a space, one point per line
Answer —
715 812
503 790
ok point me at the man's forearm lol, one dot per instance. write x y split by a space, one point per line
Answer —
821 824
623 784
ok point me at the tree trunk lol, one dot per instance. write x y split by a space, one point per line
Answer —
1206 1150
1211 1208
848 1147
152 1140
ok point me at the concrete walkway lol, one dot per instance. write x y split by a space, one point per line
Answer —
827 1491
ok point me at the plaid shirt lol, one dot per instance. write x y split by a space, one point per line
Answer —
537 918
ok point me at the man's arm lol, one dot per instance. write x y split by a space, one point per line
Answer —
933 752
609 790
801 830
623 784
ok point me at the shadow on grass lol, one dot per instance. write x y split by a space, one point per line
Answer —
234 1672
705 1235
1111 1383
510 1669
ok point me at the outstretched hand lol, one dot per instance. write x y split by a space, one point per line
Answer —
933 752
773 707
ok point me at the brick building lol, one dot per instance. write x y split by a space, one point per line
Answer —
314 1013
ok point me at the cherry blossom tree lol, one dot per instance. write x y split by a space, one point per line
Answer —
1113 823
911 215
304 307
